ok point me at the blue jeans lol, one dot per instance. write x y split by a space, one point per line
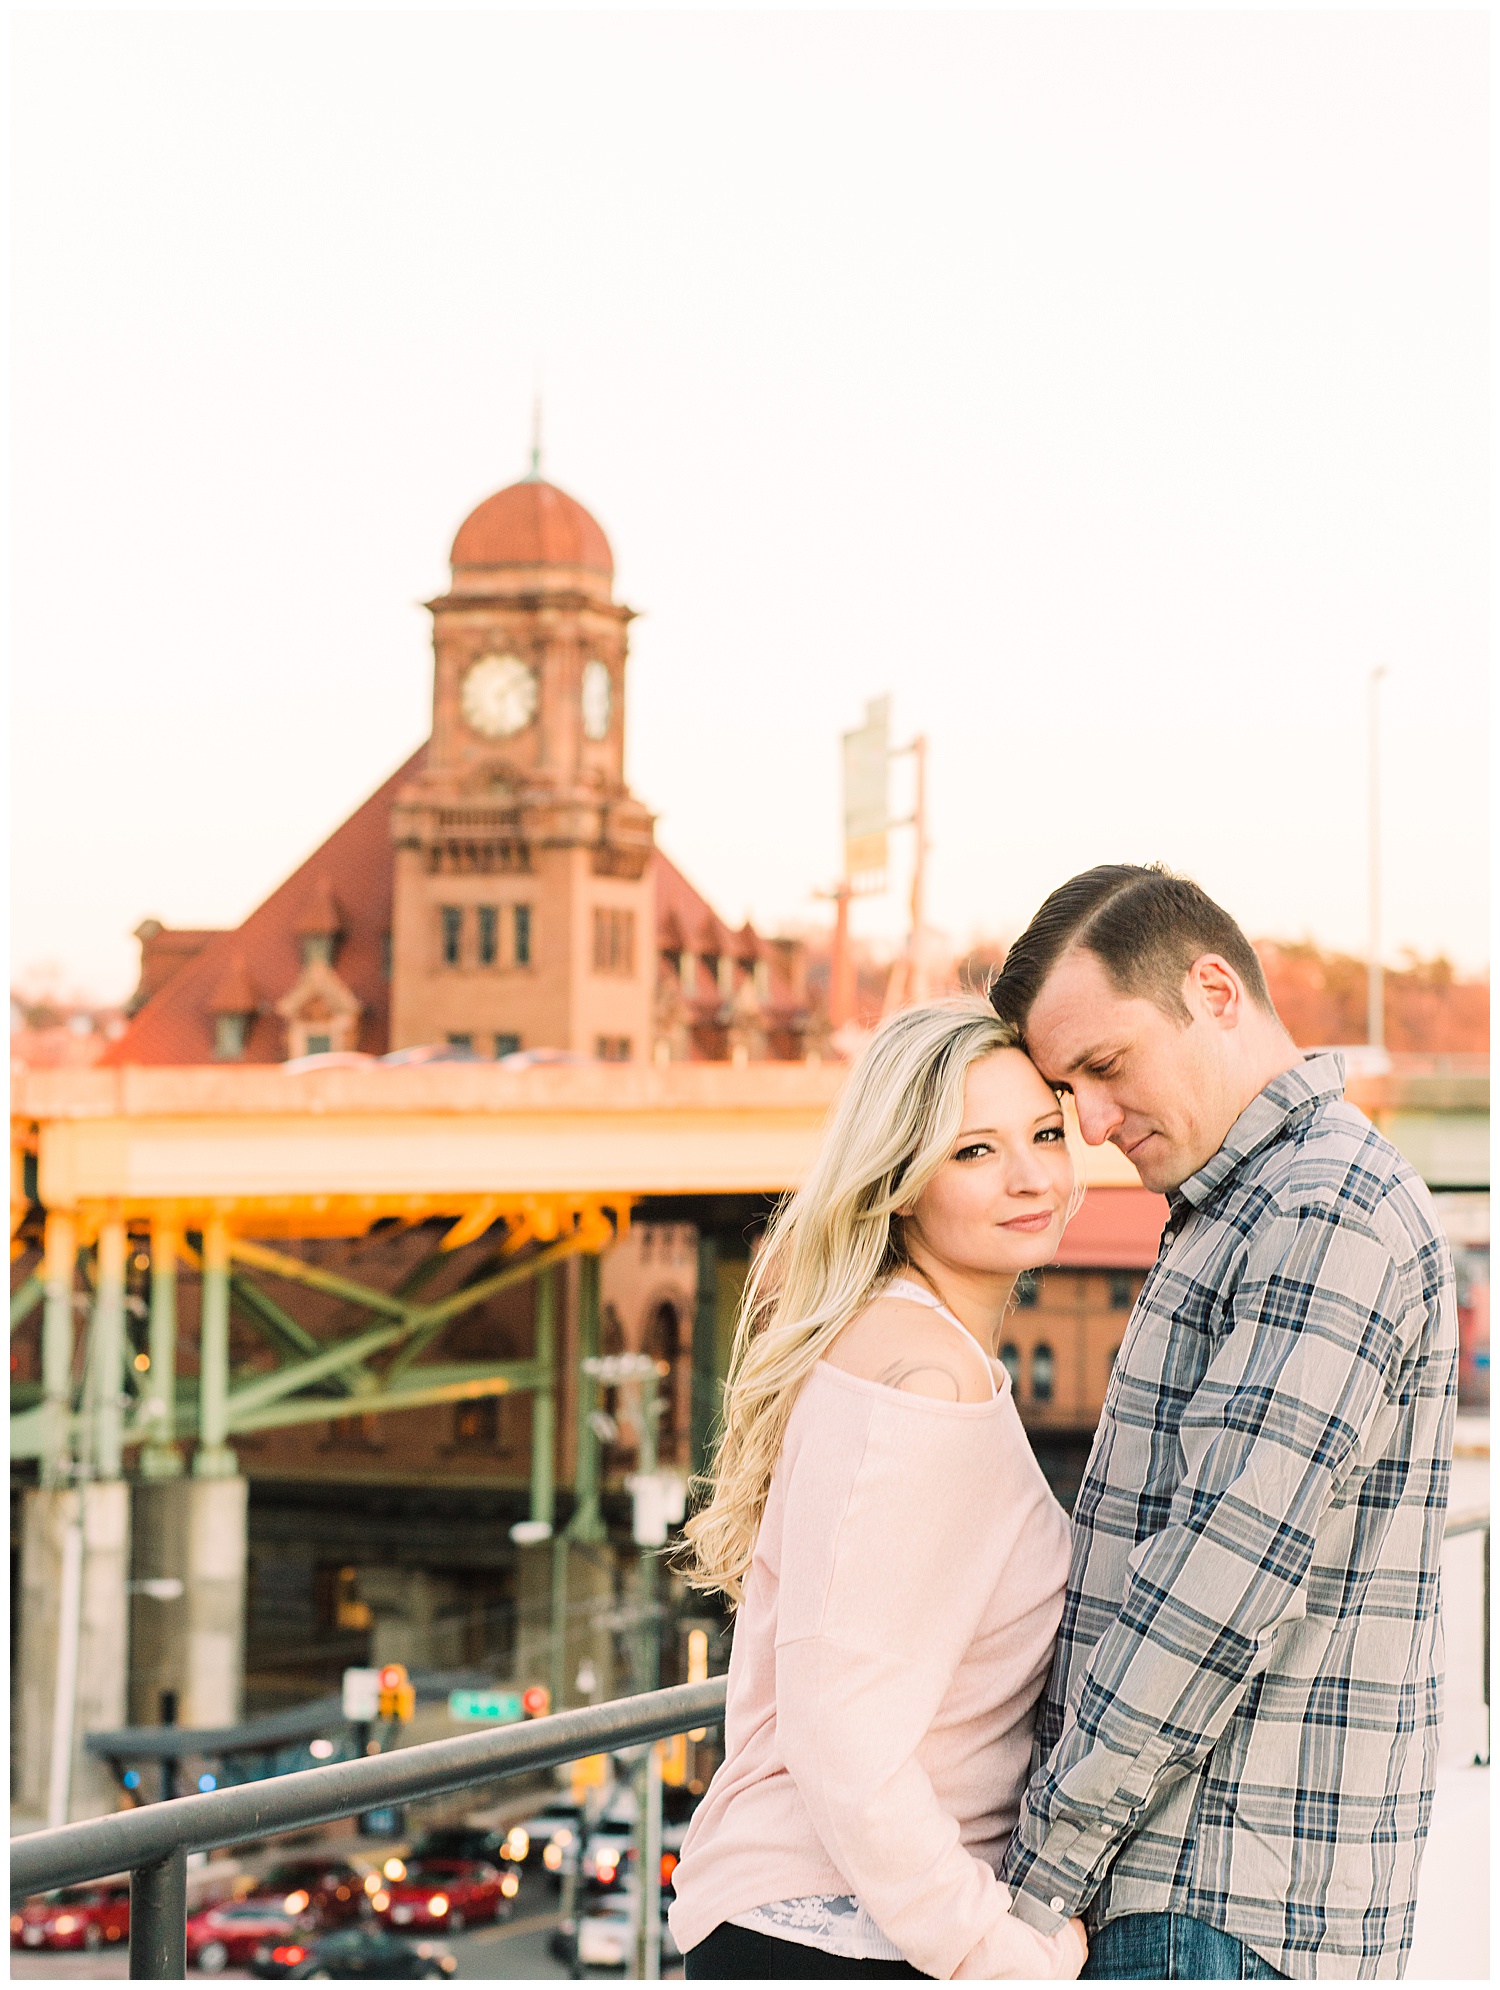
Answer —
1166 1948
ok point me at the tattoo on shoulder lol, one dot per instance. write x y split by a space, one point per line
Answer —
906 1374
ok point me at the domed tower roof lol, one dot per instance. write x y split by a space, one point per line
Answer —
532 524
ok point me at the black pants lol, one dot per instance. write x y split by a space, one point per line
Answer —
731 1954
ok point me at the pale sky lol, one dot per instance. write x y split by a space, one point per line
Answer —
1110 389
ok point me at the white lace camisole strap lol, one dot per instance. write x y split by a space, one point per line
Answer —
908 1288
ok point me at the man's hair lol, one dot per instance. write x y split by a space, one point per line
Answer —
1144 925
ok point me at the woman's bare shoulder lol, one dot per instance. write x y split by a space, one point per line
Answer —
907 1346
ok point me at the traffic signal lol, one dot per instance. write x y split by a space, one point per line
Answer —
674 1760
536 1701
697 1673
398 1697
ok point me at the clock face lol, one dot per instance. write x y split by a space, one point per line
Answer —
499 696
598 695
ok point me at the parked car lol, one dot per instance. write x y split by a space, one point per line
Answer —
607 1930
233 1931
609 1844
448 1893
331 1891
433 1053
364 1953
474 1841
548 1835
74 1917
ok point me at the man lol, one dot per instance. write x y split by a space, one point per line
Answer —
1237 1748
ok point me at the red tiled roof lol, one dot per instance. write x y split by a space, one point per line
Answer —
176 1025
532 524
234 991
1117 1229
350 880
321 912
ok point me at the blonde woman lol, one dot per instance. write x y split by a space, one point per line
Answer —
878 1519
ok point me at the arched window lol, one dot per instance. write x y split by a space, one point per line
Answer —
1043 1373
1010 1357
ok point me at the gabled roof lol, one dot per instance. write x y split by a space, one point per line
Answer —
347 885
357 867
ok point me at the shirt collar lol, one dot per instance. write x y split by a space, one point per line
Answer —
1318 1077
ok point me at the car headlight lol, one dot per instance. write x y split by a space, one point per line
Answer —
372 1882
394 1869
64 1924
438 1904
380 1901
517 1845
295 1902
510 1886
552 1857
450 1963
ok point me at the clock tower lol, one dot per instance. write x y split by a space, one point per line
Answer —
523 915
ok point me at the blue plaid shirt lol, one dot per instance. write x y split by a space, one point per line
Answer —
1242 1719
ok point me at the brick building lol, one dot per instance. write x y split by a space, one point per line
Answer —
501 892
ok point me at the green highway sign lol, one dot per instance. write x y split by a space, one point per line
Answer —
485 1706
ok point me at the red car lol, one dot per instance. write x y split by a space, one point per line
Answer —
447 1894
233 1931
75 1917
331 1891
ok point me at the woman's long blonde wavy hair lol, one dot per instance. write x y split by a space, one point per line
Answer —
828 1248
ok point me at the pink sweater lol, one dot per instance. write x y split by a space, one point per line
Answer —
895 1635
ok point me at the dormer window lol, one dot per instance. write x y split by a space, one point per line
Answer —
320 926
230 1032
232 1006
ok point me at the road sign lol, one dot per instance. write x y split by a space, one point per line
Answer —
867 811
362 1693
489 1706
590 1772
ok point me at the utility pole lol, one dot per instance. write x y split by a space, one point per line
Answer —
1375 972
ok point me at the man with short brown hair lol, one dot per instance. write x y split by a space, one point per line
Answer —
1237 1750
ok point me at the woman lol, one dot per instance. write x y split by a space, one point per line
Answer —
879 1520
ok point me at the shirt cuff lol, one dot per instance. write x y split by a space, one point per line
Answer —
1046 1916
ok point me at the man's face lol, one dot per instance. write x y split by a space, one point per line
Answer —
1149 1082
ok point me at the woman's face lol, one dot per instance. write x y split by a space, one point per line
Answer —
1000 1200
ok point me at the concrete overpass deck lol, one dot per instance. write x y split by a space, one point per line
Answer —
260 1145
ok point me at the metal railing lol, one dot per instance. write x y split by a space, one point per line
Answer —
153 1842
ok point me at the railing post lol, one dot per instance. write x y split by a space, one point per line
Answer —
158 1921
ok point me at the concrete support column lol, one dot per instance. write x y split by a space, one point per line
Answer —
544 1401
565 1597
587 1523
106 1368
95 1598
190 1532
57 1347
707 1381
160 1456
214 1459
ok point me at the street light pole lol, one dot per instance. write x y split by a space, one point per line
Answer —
1375 972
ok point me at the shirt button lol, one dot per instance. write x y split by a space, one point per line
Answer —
1056 1903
